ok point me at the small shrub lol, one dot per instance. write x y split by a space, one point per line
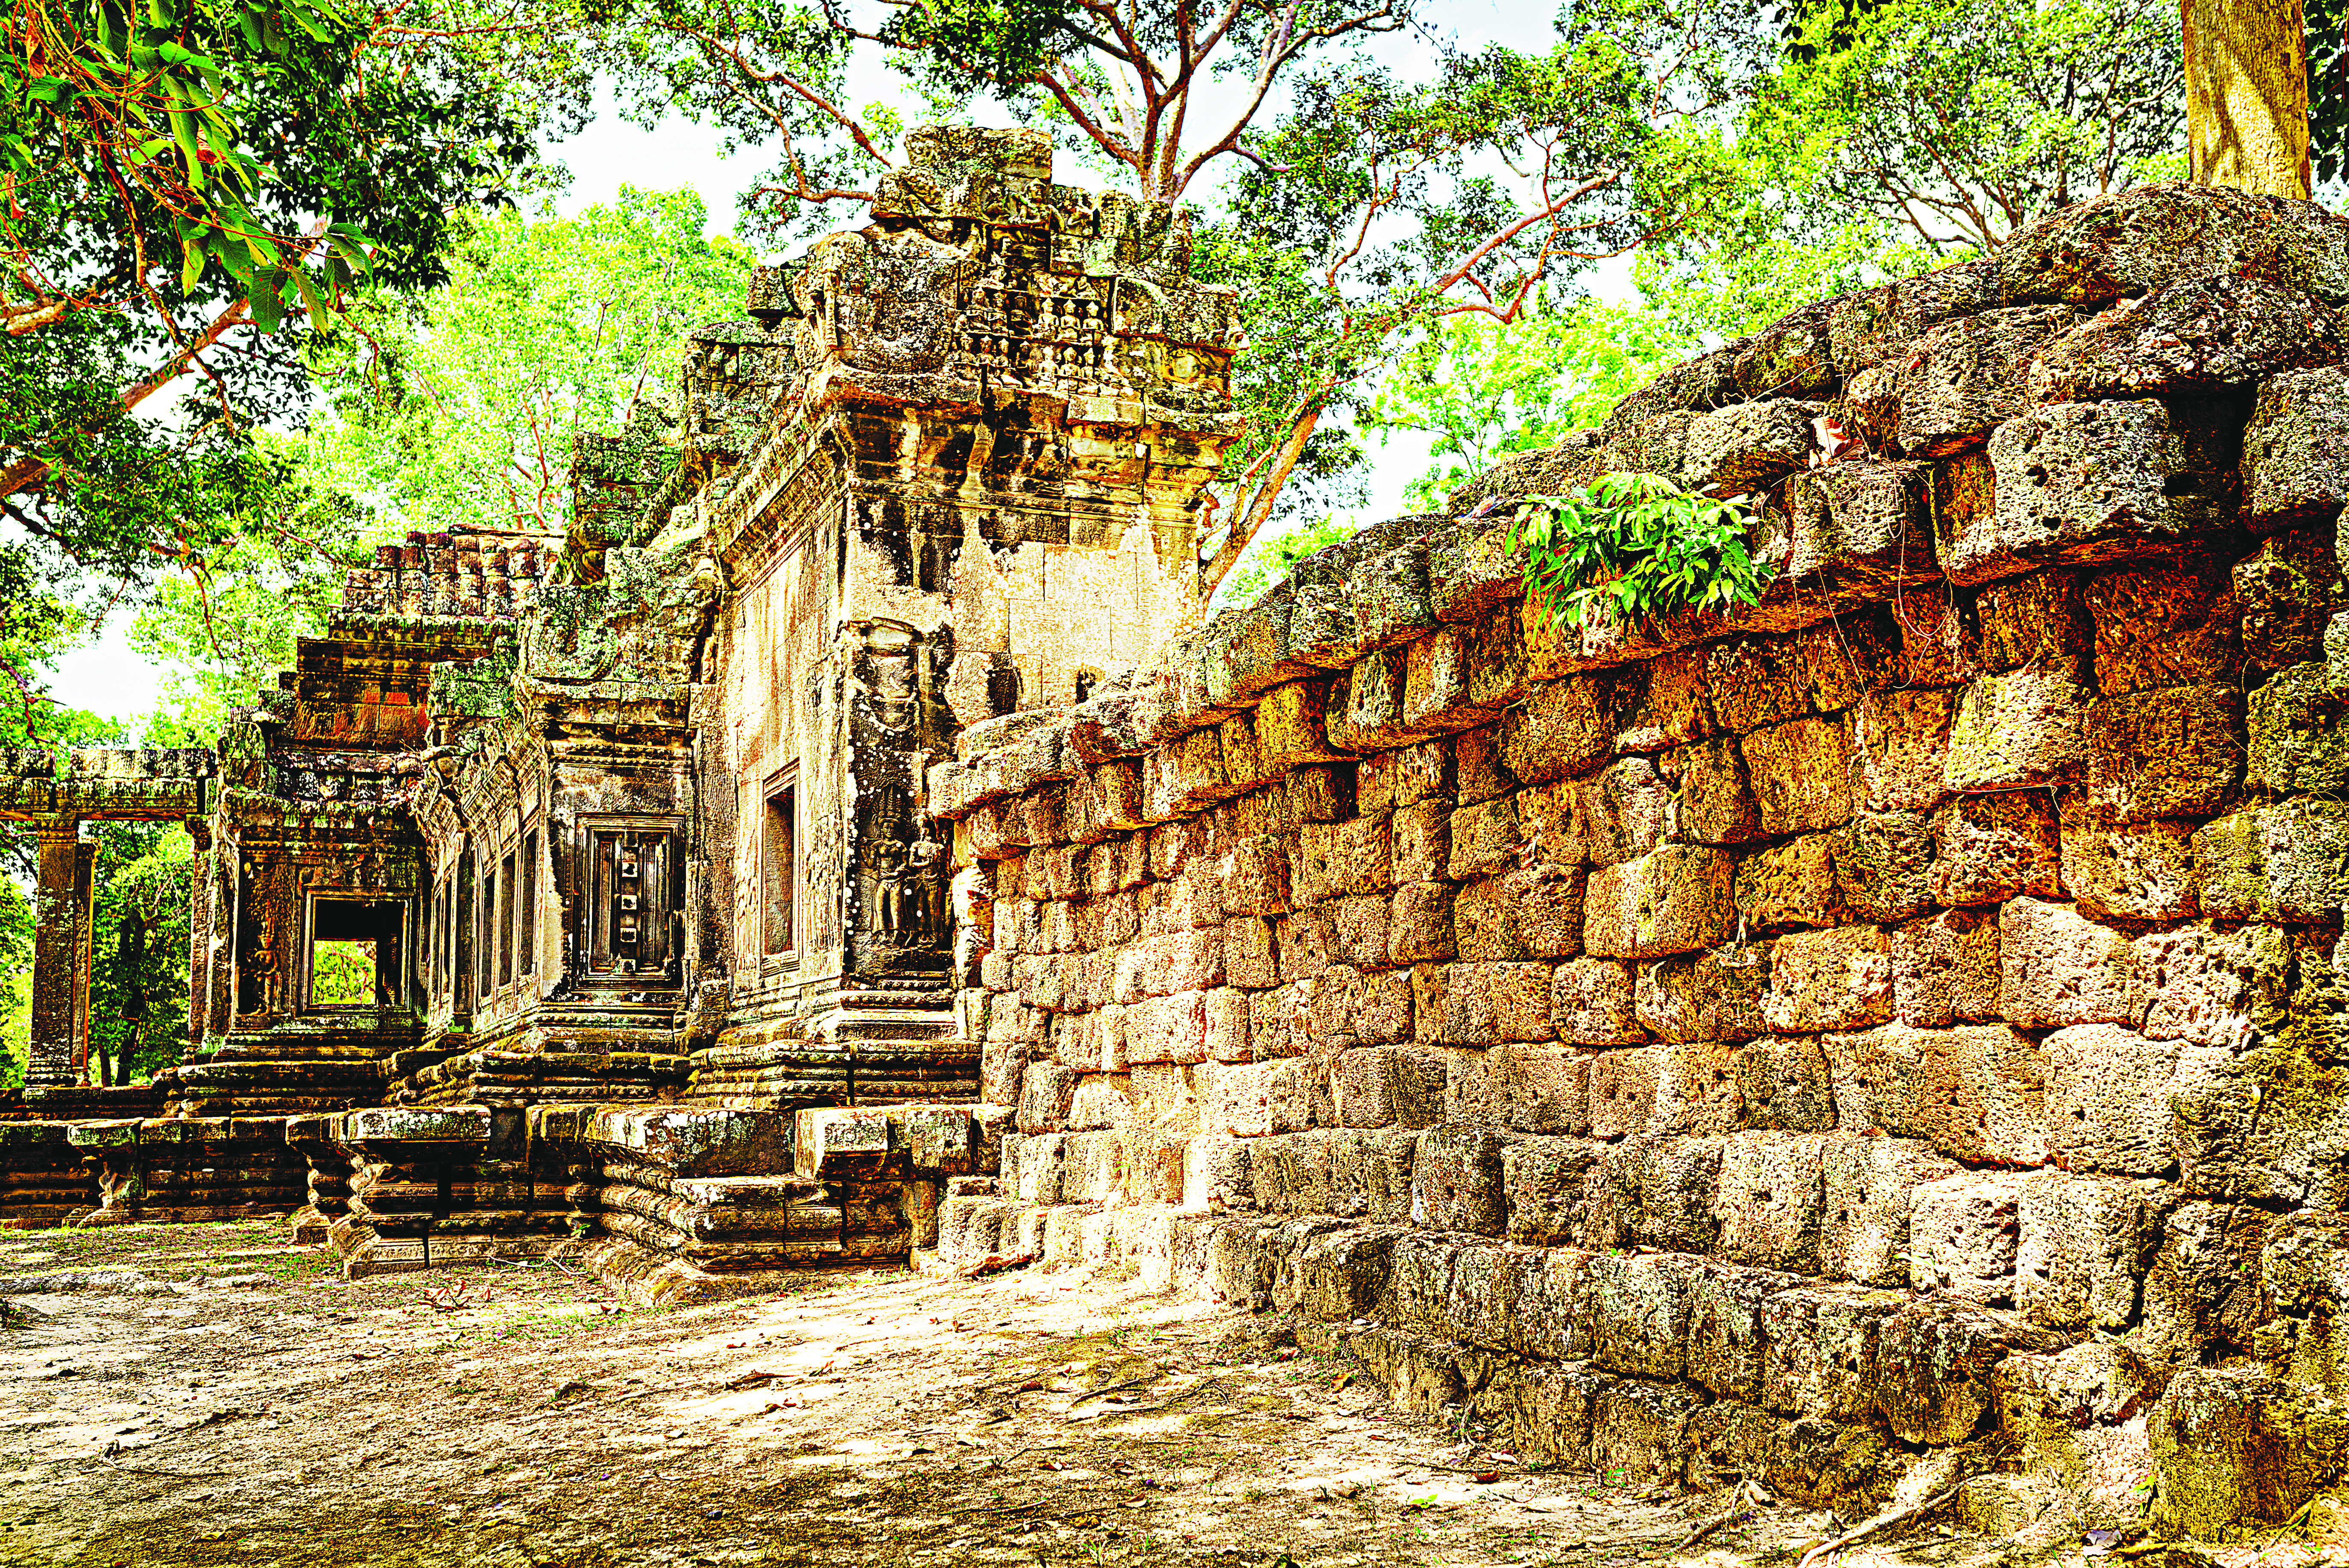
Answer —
1633 547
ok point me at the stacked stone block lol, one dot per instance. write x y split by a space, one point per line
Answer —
1920 970
186 1169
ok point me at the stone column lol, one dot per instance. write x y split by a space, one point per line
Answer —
85 864
199 938
57 952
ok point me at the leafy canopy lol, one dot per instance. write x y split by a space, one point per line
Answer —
455 406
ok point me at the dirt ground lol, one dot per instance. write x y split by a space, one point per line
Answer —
239 1403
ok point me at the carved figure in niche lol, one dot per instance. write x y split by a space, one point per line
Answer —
925 879
880 865
893 907
258 963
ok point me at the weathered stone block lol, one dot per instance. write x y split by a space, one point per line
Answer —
1483 1003
2138 240
1559 731
1499 672
1379 1086
1756 681
1768 1203
1974 1093
1819 1352
1785 1086
2296 448
2081 482
1866 1185
2201 983
2196 1299
1623 1096
2235 1449
1626 810
2288 591
1838 979
2284 862
2142 872
1846 657
1419 925
2083 1244
1790 884
1884 864
1436 669
1549 819
1369 1175
1541 1088
1640 1311
1677 898
1901 739
1420 840
1518 915
1990 848
1455 1181
1373 717
2040 620
1100 1100
1962 1235
1710 996
1167 1028
2171 752
1260 1098
1726 1338
1592 1002
1340 859
1388 596
1183 778
1483 839
2298 740
1964 376
2198 333
1715 805
1934 1364
1542 1182
2166 623
1801 776
1792 356
1469 571
1745 446
1696 1088
1860 526
1044 1092
2108 1093
2058 968
2016 731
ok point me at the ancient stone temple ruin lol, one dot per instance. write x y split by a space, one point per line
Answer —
1899 1017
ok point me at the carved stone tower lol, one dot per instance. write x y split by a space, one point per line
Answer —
979 493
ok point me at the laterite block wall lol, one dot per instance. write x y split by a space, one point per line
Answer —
1900 1017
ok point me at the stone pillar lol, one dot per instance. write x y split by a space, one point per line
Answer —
199 938
57 945
85 890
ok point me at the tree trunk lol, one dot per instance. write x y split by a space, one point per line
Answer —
2247 95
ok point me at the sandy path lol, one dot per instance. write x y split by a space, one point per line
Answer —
517 1419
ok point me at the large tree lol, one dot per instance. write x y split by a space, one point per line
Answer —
2246 94
1346 202
192 186
1959 121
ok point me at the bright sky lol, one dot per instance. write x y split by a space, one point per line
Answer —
110 676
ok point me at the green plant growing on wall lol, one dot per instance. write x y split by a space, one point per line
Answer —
1630 547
